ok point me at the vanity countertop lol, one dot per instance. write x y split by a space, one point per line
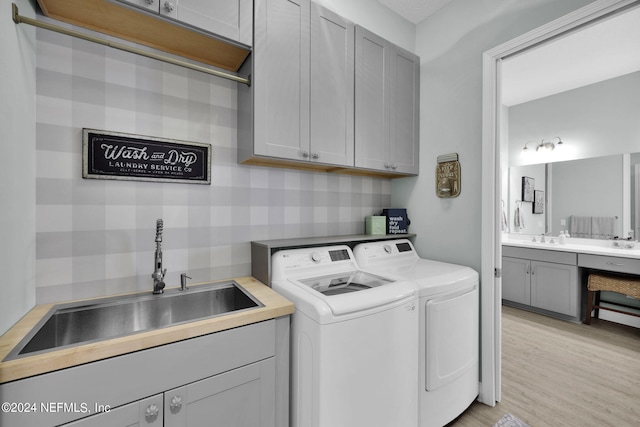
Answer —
584 246
275 305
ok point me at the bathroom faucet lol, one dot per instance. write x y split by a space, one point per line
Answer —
158 272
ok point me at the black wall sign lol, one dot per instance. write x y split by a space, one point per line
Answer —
111 155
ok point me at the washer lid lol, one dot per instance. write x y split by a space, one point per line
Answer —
344 282
347 293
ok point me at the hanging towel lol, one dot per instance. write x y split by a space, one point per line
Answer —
580 226
518 218
504 225
602 227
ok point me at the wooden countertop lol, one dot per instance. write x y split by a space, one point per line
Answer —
275 305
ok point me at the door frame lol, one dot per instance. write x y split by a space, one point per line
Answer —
491 292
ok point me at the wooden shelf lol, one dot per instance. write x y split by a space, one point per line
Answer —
139 26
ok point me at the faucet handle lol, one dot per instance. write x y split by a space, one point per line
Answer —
183 281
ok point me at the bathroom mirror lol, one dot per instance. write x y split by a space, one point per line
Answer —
586 187
582 89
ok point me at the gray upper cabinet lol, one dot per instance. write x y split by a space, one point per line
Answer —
274 111
300 104
231 19
332 87
323 97
387 105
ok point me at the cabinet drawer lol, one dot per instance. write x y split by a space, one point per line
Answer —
609 263
558 257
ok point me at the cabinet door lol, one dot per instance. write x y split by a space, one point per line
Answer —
371 103
143 413
229 18
151 5
243 397
554 287
404 110
281 84
516 285
332 86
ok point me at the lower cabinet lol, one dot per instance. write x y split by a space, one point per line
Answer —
144 412
233 378
242 397
531 279
239 398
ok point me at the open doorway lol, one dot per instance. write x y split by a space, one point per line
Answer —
494 137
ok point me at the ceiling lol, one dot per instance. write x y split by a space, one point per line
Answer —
607 49
414 10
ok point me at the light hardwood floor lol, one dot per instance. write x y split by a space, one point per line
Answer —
557 373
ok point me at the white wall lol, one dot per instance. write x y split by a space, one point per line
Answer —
600 119
17 165
450 44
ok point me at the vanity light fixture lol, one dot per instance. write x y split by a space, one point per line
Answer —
543 146
525 150
549 146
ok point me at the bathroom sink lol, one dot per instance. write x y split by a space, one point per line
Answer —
105 318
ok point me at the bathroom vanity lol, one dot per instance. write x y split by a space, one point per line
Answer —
551 278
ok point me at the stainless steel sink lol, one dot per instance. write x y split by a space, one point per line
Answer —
80 323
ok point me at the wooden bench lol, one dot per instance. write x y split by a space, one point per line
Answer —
626 285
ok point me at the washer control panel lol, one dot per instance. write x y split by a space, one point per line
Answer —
315 257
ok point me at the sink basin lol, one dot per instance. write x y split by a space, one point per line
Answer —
83 322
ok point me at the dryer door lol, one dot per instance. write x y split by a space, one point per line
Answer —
452 328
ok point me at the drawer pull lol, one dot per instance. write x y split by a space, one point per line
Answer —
615 264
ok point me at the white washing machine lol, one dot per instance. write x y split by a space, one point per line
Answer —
353 341
448 330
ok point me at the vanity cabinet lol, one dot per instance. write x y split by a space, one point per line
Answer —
237 378
540 279
387 105
227 18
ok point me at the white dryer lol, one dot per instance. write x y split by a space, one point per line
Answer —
354 341
448 329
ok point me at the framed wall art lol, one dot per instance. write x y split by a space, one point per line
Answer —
116 155
538 202
528 185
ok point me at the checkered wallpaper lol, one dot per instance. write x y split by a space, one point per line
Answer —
96 237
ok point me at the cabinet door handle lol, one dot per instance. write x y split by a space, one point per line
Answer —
152 411
168 6
315 156
176 404
305 154
615 264
150 1
533 270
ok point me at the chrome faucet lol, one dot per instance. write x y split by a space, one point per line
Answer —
183 281
158 272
